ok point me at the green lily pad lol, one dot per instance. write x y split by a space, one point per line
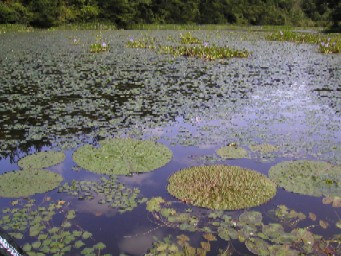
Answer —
28 182
232 152
308 177
41 160
221 187
123 156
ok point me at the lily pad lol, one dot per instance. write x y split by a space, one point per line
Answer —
41 160
28 182
123 156
232 152
308 177
221 187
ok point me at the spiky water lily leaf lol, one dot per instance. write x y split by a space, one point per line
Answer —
232 152
221 187
28 182
123 156
308 177
41 160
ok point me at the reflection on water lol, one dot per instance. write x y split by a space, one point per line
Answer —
284 94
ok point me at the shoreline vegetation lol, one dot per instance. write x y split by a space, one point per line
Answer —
158 14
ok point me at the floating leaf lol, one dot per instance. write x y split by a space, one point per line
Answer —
28 182
232 152
308 177
41 160
123 156
221 187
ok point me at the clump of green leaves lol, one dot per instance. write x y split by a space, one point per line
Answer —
227 152
307 177
285 235
123 156
180 247
327 43
145 42
41 160
221 187
188 38
99 47
107 191
27 219
204 51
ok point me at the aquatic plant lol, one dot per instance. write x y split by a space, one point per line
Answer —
307 177
99 47
144 42
180 247
327 43
221 187
211 52
284 234
188 38
264 148
107 191
229 152
28 182
122 156
33 222
41 160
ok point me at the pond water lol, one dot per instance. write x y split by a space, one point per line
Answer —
57 96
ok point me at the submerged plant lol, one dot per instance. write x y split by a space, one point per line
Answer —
34 223
283 235
28 182
107 191
41 160
232 152
221 187
308 177
122 156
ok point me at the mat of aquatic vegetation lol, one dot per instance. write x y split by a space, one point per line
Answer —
281 103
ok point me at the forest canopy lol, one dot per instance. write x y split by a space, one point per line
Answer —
124 13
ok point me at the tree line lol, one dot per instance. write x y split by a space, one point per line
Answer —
123 13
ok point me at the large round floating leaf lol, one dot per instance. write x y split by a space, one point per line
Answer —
123 156
221 187
308 177
232 152
28 182
41 160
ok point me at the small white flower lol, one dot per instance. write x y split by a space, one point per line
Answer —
104 45
281 33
